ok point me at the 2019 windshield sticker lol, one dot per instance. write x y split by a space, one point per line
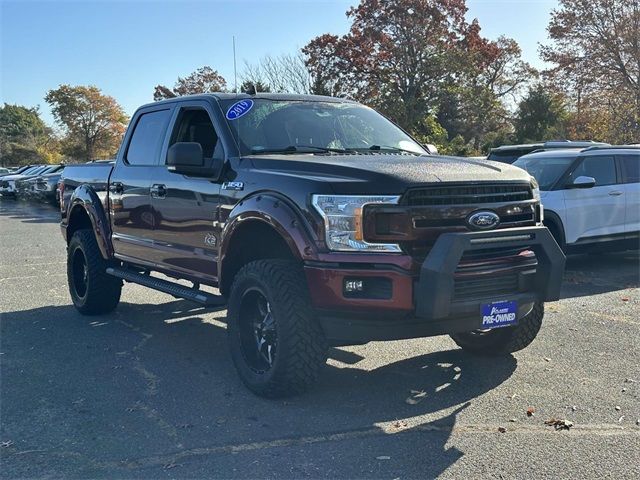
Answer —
239 109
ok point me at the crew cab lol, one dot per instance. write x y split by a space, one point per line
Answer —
591 196
320 223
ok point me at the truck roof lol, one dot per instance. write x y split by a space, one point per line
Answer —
259 95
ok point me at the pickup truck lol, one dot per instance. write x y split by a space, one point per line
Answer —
319 222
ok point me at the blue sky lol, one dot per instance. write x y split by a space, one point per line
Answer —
126 48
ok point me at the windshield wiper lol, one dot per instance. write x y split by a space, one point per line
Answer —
395 149
299 148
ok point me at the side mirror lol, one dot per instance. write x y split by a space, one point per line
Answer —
583 182
187 158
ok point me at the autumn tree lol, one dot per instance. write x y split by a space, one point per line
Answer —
595 52
93 122
412 59
203 80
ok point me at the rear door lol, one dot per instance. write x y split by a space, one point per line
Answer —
630 166
185 208
598 211
129 199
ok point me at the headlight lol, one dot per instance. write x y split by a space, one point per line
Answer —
536 189
342 215
536 196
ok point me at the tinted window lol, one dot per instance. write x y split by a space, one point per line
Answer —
147 138
603 169
631 168
195 126
509 155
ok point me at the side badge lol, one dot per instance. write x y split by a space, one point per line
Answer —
237 186
210 240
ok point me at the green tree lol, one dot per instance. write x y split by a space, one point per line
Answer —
93 122
24 137
541 115
203 80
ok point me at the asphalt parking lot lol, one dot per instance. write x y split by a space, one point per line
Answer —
149 391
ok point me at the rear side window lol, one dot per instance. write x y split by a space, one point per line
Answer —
603 169
147 138
631 168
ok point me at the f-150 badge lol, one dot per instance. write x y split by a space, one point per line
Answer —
233 186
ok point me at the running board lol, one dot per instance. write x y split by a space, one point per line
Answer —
175 289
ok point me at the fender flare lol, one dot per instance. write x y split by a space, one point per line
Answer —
555 219
280 214
85 197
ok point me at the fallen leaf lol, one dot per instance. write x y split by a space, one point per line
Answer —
617 407
625 299
502 429
546 359
531 411
620 419
559 424
513 420
400 424
574 408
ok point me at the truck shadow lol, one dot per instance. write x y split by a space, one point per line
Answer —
163 372
601 273
29 212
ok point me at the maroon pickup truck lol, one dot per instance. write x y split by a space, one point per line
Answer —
319 221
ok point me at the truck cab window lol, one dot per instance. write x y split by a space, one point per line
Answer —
194 125
147 138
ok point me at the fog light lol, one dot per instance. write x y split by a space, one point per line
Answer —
353 286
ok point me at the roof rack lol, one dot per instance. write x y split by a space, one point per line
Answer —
611 147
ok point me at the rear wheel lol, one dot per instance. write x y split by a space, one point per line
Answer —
505 340
276 344
92 290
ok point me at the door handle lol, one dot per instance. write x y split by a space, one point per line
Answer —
116 187
615 193
158 190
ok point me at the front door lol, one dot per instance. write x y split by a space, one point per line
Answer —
185 208
598 211
129 199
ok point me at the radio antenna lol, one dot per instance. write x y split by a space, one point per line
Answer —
235 73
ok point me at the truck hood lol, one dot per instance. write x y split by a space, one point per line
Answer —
385 173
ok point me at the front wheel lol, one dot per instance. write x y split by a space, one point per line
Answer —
276 344
505 340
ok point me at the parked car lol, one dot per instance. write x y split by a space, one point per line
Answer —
321 223
4 170
46 187
591 197
510 153
8 182
17 171
25 186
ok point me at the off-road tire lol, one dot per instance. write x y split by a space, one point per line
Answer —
505 340
101 292
302 350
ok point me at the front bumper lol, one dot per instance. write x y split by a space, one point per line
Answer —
426 303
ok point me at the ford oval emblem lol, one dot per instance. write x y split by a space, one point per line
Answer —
484 220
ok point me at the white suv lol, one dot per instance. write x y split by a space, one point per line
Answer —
591 197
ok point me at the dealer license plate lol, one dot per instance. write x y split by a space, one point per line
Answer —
499 314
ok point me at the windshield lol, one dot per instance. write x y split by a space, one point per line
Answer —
546 170
286 126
